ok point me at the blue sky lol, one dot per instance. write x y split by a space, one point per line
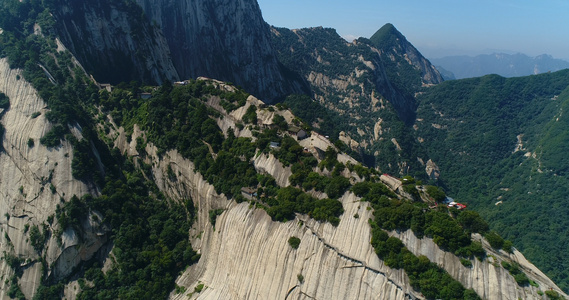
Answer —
439 27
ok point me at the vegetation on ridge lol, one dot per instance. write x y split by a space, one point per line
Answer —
499 144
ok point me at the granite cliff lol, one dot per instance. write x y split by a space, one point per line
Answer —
226 40
35 181
153 41
113 41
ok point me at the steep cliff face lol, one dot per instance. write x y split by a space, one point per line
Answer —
114 42
488 278
34 180
222 39
248 256
174 39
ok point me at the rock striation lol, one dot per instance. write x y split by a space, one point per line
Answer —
154 41
488 278
248 256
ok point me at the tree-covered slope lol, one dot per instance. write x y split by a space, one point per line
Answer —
501 145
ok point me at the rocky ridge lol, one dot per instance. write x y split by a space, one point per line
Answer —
245 241
368 85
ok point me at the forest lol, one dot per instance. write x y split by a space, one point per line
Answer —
520 188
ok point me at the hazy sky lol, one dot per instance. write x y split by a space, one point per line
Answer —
439 27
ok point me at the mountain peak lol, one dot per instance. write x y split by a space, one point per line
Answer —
386 35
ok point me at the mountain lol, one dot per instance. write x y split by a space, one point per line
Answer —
499 144
507 65
128 235
395 45
172 40
226 40
364 89
198 189
468 132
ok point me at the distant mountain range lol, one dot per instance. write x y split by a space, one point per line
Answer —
507 65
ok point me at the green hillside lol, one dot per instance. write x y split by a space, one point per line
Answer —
471 129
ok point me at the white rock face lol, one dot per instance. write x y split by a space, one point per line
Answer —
488 278
25 194
271 165
248 256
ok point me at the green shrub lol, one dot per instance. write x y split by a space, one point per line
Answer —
15 292
472 221
213 215
250 116
180 289
4 101
408 180
411 189
280 122
300 278
508 246
30 143
436 193
474 249
37 239
521 279
327 210
294 242
199 288
54 136
553 295
495 240
466 262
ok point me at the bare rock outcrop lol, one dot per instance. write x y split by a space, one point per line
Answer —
248 256
488 278
432 170
268 163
